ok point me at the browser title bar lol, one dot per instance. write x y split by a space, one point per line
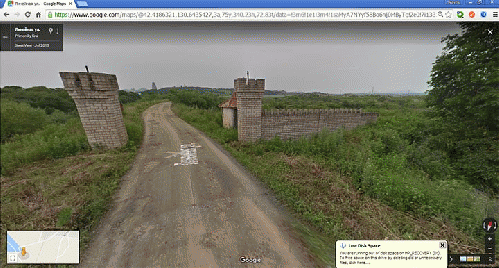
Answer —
259 3
286 3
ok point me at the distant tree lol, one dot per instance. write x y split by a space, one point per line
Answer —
154 86
465 79
127 97
9 89
41 97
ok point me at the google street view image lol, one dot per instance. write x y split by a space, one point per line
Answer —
252 144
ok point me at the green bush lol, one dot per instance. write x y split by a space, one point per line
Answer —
326 143
59 117
478 161
433 161
401 189
20 118
443 151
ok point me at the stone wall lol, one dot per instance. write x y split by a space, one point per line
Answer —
253 123
96 98
292 124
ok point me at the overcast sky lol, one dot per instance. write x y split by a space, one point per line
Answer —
307 57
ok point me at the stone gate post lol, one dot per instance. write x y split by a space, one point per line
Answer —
96 98
249 94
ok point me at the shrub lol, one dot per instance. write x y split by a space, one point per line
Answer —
59 117
478 161
20 118
432 161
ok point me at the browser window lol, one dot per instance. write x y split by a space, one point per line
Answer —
409 191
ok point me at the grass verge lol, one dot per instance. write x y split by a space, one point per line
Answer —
67 192
347 185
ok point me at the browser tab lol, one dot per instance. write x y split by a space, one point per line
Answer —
81 4
12 3
55 4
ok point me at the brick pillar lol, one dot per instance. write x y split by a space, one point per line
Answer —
96 98
249 108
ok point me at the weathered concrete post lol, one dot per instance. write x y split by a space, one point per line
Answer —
96 98
249 94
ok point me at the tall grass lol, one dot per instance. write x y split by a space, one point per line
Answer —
52 142
376 159
58 140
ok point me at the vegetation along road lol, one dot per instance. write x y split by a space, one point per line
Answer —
191 207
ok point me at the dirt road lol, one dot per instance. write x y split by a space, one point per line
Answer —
172 212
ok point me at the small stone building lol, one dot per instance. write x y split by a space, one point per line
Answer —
229 112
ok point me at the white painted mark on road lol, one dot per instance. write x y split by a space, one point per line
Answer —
188 154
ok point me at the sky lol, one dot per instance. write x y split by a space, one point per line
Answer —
333 57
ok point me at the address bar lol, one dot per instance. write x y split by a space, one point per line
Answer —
251 15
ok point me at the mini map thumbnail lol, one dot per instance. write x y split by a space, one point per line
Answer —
37 247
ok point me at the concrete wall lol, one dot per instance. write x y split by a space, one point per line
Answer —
96 98
292 124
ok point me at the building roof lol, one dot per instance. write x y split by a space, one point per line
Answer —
230 103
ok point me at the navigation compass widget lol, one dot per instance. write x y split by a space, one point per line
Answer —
489 225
